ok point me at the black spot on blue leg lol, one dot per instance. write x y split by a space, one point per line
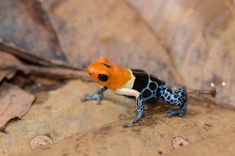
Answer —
177 98
140 108
169 90
169 97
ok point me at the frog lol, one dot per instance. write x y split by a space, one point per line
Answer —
137 83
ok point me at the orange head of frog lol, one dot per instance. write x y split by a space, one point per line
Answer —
108 74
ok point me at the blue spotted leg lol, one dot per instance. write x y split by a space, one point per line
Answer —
139 111
175 98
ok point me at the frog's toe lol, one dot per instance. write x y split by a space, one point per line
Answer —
171 112
175 112
98 99
83 99
95 97
128 124
86 97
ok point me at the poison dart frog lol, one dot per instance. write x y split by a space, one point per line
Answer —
135 82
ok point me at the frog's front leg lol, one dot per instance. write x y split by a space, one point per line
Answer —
98 96
139 112
139 104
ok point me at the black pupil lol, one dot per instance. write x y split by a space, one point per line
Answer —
102 77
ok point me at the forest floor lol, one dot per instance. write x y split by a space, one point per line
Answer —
59 124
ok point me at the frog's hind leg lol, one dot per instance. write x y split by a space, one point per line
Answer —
175 98
180 111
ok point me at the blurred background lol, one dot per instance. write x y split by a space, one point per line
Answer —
179 41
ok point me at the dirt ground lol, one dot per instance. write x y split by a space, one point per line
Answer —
59 124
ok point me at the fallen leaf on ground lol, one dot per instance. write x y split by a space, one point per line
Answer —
199 37
86 128
40 141
14 103
10 60
25 31
93 33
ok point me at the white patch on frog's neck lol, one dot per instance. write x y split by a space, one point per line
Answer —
127 92
126 89
129 83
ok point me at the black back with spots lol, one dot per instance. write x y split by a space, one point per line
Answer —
153 89
141 79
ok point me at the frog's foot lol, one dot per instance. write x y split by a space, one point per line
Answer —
88 97
177 112
133 122
130 123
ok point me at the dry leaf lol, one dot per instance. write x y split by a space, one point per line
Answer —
10 60
152 135
178 41
88 30
14 103
199 37
25 28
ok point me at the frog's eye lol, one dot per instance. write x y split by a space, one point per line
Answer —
103 77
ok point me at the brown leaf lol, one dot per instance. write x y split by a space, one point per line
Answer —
10 60
26 32
98 129
88 30
14 103
199 37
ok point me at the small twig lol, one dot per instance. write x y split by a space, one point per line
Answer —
55 73
23 53
211 92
